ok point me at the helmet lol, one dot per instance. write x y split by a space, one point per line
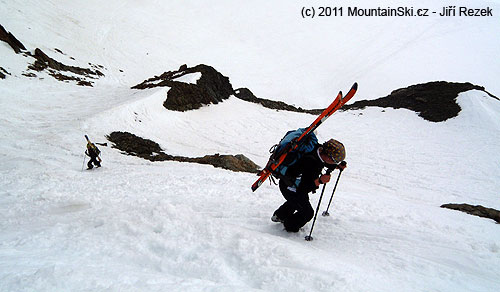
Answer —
334 149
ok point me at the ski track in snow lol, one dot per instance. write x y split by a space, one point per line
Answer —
134 225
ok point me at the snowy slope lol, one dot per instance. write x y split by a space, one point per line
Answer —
134 225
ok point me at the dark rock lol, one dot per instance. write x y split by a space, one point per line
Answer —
247 95
211 88
29 74
84 83
150 150
10 39
477 210
44 62
216 84
3 72
433 101
185 96
131 143
237 162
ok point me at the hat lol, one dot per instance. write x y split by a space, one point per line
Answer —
334 149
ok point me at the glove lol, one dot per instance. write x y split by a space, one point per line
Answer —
341 166
324 179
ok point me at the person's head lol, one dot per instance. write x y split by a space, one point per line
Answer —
333 151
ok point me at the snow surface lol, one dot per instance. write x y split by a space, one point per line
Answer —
134 225
191 78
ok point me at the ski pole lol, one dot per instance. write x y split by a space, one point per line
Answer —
83 161
309 237
325 213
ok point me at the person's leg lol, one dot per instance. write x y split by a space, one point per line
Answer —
288 208
284 211
304 214
89 164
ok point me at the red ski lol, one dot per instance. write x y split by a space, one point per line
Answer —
278 158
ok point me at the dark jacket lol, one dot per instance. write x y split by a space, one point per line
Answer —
305 172
92 150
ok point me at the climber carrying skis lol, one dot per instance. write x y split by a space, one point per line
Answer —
93 152
303 177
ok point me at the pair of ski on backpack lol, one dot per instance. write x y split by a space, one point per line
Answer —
299 142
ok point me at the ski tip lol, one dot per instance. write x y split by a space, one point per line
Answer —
355 86
256 185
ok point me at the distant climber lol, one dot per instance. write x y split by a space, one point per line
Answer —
93 152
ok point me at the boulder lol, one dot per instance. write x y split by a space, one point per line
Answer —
211 88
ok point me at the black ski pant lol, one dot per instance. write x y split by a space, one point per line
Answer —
93 159
296 211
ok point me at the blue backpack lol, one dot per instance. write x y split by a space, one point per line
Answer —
306 145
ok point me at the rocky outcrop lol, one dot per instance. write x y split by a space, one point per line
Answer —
247 95
56 69
150 150
211 88
3 72
10 39
477 210
433 101
44 62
